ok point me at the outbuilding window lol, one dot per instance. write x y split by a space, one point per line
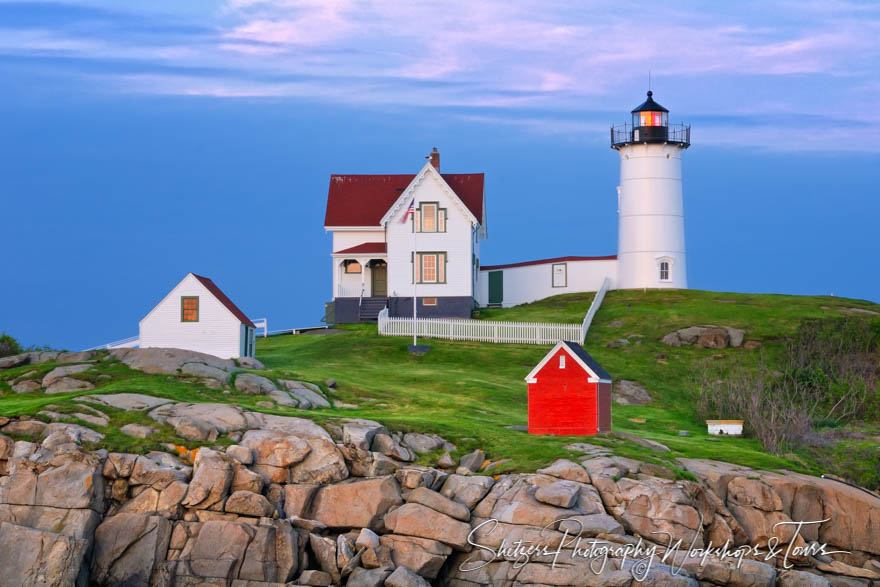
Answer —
189 309
562 361
664 270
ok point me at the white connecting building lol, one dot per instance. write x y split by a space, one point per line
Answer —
397 238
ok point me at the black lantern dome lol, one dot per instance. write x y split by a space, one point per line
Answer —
650 124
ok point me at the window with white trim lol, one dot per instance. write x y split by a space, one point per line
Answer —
562 361
664 270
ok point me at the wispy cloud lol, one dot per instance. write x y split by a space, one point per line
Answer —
507 55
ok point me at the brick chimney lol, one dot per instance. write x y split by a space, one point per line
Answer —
435 158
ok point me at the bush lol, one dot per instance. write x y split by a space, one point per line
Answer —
8 345
829 374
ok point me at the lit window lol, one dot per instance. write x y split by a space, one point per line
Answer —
429 268
429 218
189 309
429 301
562 361
352 267
664 270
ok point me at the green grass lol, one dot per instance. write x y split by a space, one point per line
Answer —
469 392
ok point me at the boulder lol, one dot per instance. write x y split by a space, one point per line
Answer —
71 480
315 578
37 557
206 371
152 473
240 453
466 490
306 394
77 433
359 434
15 361
99 421
793 578
473 461
422 443
324 463
212 476
25 428
246 480
249 504
563 494
649 444
565 469
251 384
282 398
324 550
403 577
355 503
138 430
439 503
367 539
413 519
168 361
388 446
225 418
590 525
420 555
26 386
249 363
302 427
61 372
193 429
127 401
737 336
67 385
361 577
128 548
630 393
298 500
446 461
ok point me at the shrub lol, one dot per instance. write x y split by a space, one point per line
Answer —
829 374
8 345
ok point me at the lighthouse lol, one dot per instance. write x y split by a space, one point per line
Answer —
651 251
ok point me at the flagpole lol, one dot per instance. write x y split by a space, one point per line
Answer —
416 274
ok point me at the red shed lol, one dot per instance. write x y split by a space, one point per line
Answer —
569 393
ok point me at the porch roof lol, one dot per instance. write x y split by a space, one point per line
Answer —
365 249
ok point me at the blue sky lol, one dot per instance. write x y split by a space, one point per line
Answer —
145 139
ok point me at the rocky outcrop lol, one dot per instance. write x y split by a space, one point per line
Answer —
706 337
286 503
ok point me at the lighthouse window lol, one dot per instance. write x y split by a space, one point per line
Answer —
664 271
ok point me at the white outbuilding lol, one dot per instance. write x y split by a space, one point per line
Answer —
197 316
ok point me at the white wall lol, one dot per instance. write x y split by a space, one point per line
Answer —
345 239
218 331
535 282
456 242
651 219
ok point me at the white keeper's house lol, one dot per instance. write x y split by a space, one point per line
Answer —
197 316
398 234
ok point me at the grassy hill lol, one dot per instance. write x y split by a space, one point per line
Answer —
474 390
471 392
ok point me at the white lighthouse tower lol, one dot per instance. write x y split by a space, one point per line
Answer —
650 249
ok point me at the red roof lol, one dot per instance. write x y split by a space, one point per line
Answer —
221 297
362 200
371 248
543 261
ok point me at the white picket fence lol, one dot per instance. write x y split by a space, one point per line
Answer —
492 331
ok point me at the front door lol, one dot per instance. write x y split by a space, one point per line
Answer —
379 274
496 287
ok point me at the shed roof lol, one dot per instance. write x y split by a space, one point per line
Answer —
581 356
223 299
362 200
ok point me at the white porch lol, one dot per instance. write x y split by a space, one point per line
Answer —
360 276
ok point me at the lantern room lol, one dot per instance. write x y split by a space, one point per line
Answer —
650 121
650 124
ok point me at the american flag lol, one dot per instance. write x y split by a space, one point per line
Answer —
410 211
